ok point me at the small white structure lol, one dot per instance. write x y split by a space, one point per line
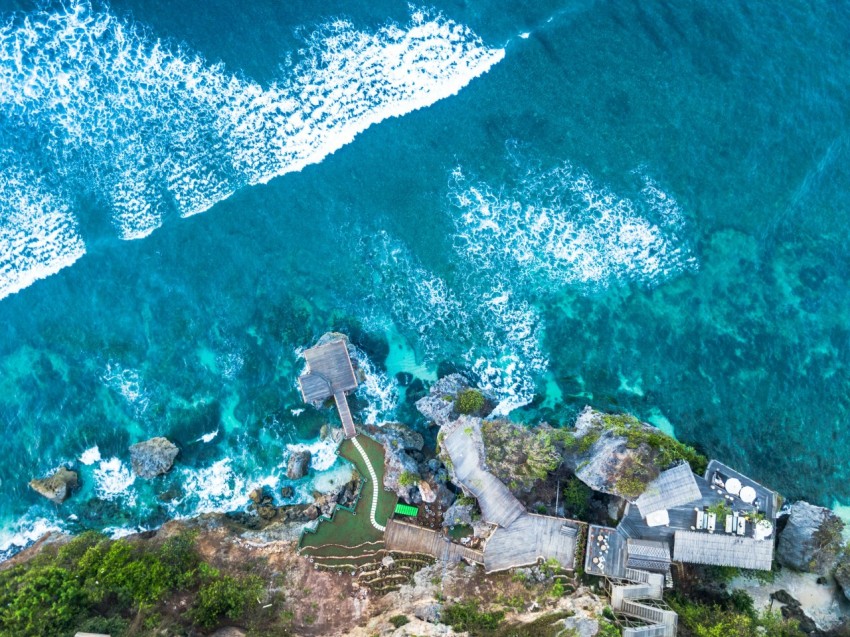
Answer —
733 486
748 495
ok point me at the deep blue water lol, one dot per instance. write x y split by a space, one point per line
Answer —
638 206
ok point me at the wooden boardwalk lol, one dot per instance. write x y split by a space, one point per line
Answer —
407 538
498 505
345 415
529 538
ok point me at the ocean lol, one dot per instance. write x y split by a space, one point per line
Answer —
639 206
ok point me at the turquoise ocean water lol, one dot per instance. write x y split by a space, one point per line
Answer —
634 205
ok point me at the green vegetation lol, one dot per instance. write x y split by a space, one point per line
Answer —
106 586
346 534
465 616
408 479
607 629
399 620
667 450
223 596
469 402
517 455
635 474
577 497
735 617
721 510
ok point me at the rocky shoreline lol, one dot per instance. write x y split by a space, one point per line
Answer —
589 472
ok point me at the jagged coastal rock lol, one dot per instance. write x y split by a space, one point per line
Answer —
459 513
842 574
57 486
439 405
153 457
401 471
811 540
298 465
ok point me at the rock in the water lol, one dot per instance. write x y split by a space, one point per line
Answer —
811 540
298 465
57 486
287 492
438 405
153 457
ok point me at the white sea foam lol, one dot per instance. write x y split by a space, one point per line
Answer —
128 383
114 481
38 233
90 455
208 437
144 125
218 487
22 532
561 226
379 390
322 452
498 335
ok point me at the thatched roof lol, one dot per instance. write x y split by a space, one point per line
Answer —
720 549
672 488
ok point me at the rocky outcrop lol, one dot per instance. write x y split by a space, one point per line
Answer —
607 458
439 405
459 513
153 457
842 574
57 486
811 540
401 470
298 465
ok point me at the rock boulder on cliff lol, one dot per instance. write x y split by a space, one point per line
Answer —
811 540
57 486
298 465
153 457
842 574
438 405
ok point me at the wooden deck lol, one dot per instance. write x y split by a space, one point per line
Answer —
329 371
407 538
528 539
497 503
345 415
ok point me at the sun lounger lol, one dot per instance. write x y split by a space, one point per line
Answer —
700 521
712 522
729 522
742 526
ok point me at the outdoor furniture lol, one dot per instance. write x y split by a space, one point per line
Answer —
733 486
712 522
729 526
742 525
700 520
748 495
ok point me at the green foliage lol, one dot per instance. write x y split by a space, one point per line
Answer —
721 510
464 500
607 629
634 476
399 620
588 440
408 479
466 616
736 617
67 589
517 455
577 497
223 596
469 401
557 589
668 450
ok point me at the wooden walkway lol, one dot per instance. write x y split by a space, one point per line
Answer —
345 415
498 505
529 538
407 538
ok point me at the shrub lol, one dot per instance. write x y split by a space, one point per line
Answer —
577 497
408 479
399 620
465 616
222 596
469 401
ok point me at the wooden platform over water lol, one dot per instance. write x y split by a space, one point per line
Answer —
330 373
407 538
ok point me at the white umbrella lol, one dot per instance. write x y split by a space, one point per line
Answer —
748 495
733 486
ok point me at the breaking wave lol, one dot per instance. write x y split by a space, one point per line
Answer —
146 127
561 226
